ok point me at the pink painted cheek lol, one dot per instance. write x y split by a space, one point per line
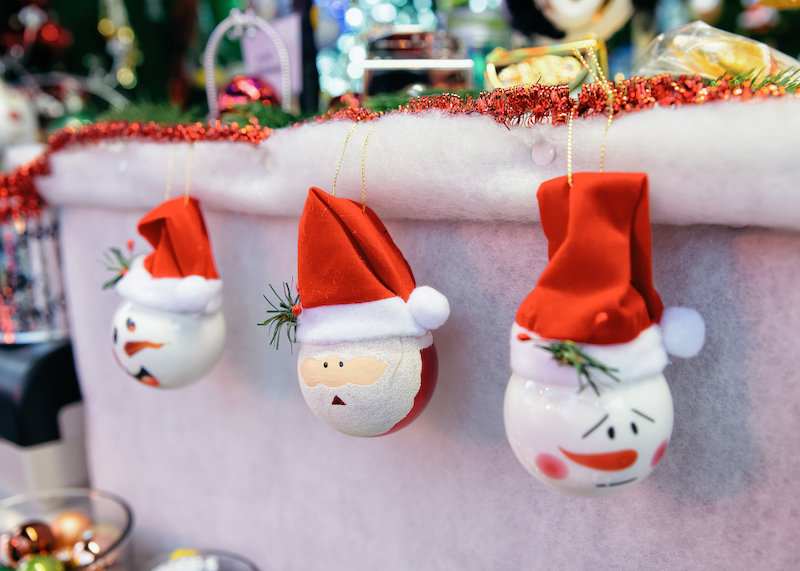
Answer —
551 466
659 454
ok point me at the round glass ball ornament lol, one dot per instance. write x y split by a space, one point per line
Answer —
165 349
585 444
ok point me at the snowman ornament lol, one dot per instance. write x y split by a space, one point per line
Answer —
588 410
367 364
169 331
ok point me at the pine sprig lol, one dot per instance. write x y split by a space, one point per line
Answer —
568 353
115 261
283 314
789 79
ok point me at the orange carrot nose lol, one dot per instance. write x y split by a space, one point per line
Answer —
132 347
608 462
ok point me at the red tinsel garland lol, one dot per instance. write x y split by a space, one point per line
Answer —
514 106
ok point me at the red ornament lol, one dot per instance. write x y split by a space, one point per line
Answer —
297 310
244 89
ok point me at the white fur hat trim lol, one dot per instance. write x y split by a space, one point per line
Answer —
635 360
192 294
392 317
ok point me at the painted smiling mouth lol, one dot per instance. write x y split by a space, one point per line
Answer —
133 347
612 484
337 400
146 378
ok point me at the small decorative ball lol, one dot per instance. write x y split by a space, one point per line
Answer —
96 541
297 310
244 89
69 526
684 331
40 563
28 539
543 153
352 100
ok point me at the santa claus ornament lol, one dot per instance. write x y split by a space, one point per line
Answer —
367 364
170 330
588 410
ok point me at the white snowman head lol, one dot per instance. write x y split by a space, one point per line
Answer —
588 410
367 365
169 331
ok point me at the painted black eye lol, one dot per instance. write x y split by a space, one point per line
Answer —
611 432
115 335
633 427
130 325
325 364
341 364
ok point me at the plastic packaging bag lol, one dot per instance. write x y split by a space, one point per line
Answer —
698 48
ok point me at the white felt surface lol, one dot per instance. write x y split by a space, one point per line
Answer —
728 163
238 461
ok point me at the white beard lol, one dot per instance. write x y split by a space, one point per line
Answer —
368 410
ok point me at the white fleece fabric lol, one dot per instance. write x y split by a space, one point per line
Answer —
729 163
192 294
237 461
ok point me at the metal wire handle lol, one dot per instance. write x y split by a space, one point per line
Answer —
244 20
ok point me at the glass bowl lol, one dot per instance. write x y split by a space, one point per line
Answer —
111 518
204 560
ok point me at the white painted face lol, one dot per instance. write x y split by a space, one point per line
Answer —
17 118
363 388
585 445
569 14
163 349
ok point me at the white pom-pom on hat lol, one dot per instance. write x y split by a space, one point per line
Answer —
428 307
684 331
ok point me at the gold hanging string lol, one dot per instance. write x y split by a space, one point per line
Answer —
188 174
609 102
169 175
338 166
569 147
363 178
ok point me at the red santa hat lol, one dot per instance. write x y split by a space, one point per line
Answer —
354 283
179 275
598 289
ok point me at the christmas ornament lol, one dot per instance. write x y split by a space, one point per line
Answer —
30 538
588 410
18 123
170 330
40 563
68 527
595 321
243 89
367 364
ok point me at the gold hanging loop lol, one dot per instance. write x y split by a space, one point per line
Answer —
610 94
363 178
339 164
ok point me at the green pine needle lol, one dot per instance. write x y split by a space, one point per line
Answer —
115 261
266 115
282 315
789 79
568 353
